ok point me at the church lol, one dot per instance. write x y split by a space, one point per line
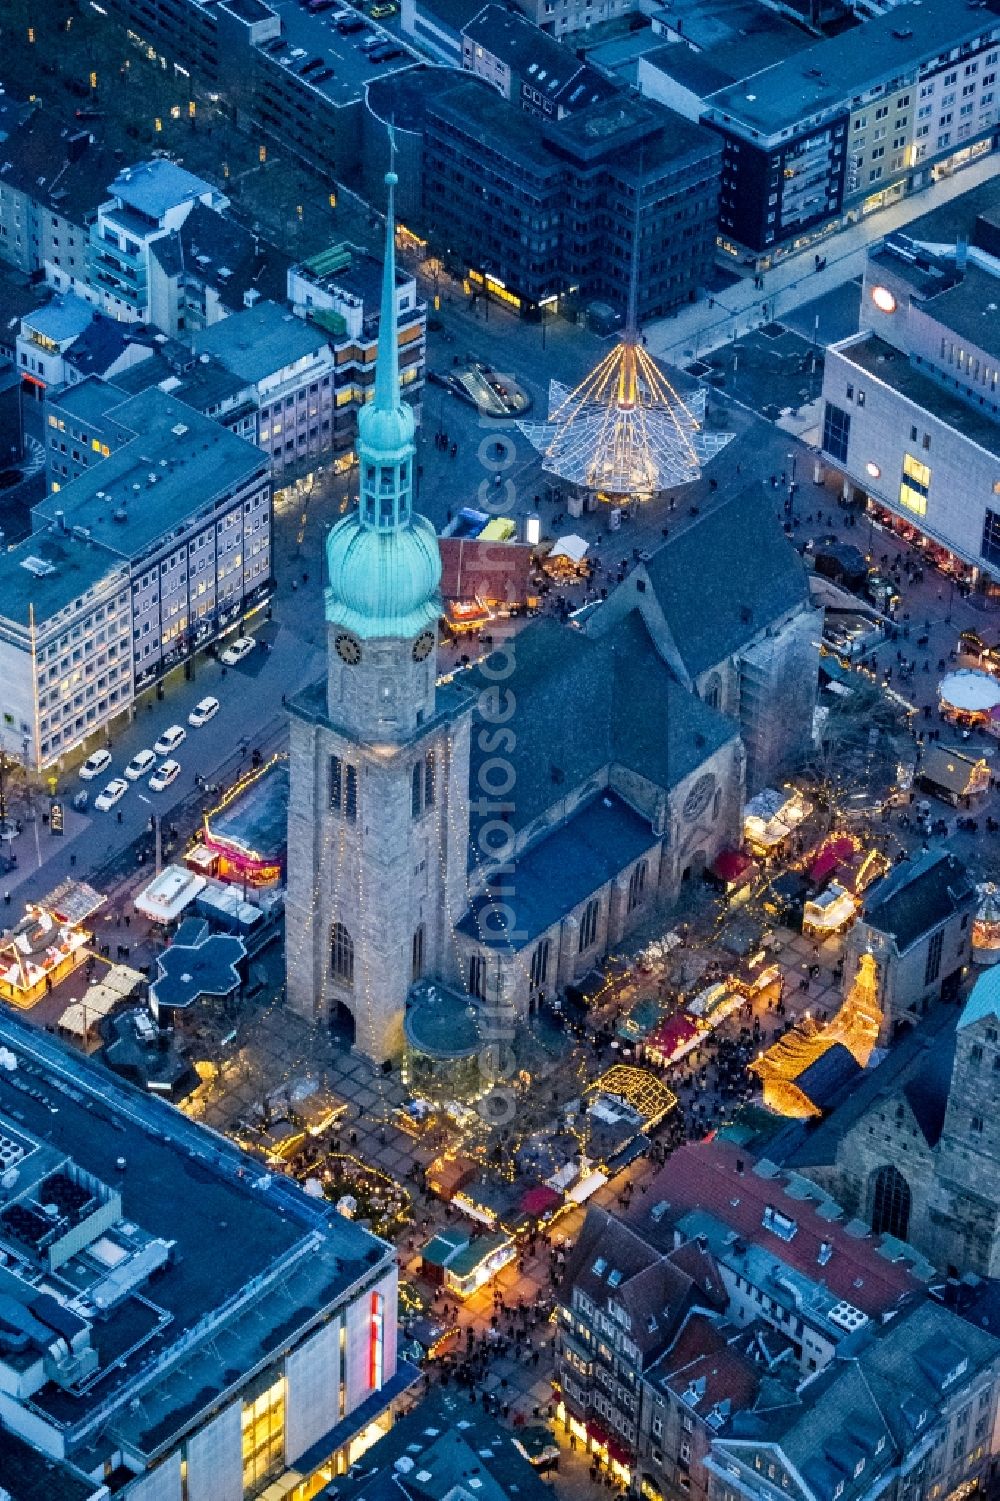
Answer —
500 832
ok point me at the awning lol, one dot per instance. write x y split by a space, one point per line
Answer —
731 867
581 1191
540 1200
834 852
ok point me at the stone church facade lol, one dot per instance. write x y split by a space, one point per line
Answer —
915 1151
500 832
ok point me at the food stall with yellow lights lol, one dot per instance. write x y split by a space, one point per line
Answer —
47 944
772 816
566 560
462 1263
971 698
830 911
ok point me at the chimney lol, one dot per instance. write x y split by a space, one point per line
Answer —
60 521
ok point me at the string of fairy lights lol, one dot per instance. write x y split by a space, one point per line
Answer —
624 431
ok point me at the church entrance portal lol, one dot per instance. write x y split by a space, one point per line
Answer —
342 1023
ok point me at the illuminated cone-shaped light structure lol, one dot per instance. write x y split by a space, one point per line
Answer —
624 433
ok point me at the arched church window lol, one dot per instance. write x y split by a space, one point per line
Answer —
342 954
636 885
417 965
890 1202
429 782
417 790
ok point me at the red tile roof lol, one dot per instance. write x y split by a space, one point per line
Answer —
704 1176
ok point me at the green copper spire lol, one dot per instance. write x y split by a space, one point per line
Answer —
383 561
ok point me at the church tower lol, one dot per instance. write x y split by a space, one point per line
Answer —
379 760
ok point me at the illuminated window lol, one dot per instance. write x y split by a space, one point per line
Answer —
263 1435
915 485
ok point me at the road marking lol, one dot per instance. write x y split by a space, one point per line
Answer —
142 797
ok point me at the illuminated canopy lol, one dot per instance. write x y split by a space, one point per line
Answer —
624 431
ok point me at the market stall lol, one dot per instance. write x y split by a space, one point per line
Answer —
47 944
673 1039
830 911
771 816
566 561
732 871
986 926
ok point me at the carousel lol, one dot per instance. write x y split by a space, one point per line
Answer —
971 698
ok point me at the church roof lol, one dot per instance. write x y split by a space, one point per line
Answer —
659 729
720 581
585 702
918 1068
562 684
984 1002
560 871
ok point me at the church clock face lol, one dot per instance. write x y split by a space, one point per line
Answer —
699 797
348 649
423 646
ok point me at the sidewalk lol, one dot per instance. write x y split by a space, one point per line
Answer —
698 329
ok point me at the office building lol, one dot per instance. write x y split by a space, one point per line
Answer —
156 539
174 1321
560 199
288 367
911 415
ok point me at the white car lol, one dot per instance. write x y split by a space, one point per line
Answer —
142 762
95 764
165 773
170 740
203 712
112 793
240 648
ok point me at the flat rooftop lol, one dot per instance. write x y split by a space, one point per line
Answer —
259 341
155 187
876 358
830 72
70 568
318 37
176 464
236 1234
969 308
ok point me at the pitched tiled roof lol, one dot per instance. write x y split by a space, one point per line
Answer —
721 1181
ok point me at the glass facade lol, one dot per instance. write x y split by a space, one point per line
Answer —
915 485
836 432
263 1435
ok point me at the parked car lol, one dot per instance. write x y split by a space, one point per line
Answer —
203 712
95 763
141 763
165 773
112 793
240 648
170 740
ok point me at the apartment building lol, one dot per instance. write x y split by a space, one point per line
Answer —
52 174
157 539
148 201
527 66
65 340
620 1305
837 130
911 416
176 1323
